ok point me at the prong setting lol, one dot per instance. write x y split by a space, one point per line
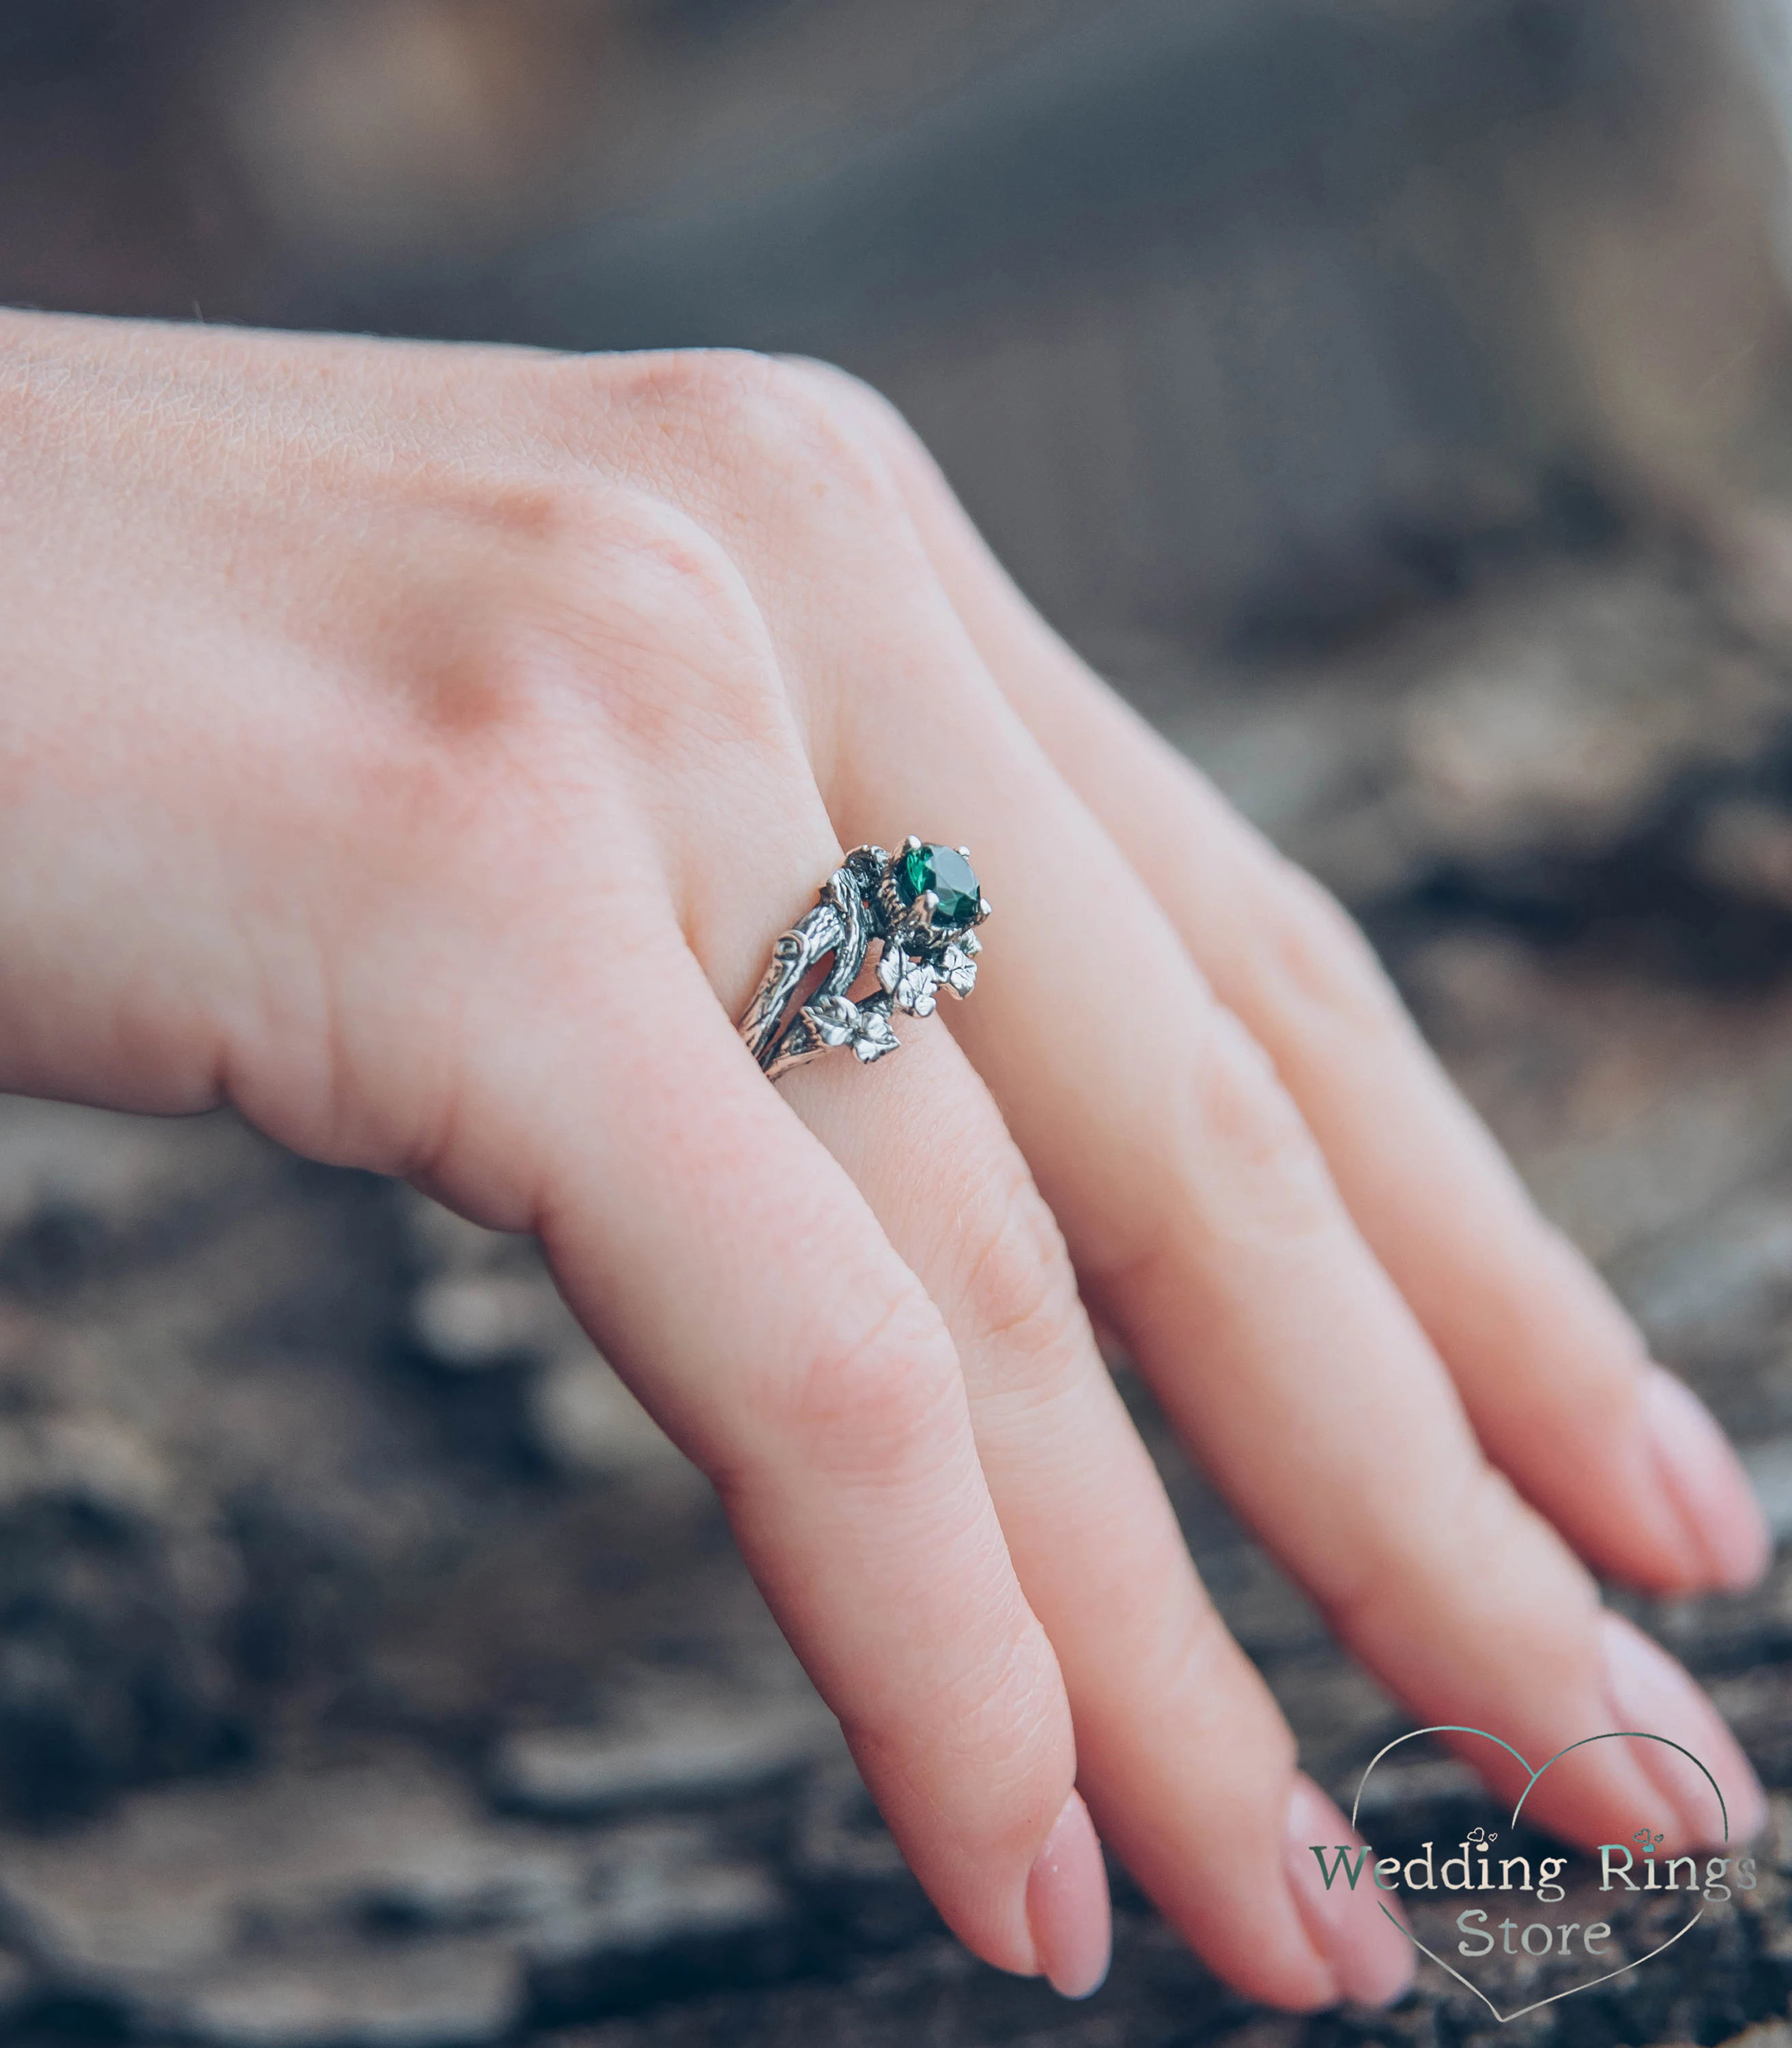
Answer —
918 905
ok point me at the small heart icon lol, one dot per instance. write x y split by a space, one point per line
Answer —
1485 1837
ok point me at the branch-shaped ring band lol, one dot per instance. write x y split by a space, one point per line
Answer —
918 905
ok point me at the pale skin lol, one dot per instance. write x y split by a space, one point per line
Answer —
419 749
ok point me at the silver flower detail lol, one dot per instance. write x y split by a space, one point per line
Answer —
912 982
957 970
838 1020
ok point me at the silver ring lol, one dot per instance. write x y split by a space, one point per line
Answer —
919 905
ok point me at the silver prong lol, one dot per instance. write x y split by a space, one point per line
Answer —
982 906
966 851
930 898
911 844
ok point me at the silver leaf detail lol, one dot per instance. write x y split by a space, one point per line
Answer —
875 1036
836 1020
913 982
834 1017
958 971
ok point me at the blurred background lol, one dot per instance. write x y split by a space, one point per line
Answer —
1394 398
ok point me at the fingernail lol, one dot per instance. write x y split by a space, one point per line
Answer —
1371 1960
1649 1693
1067 1908
1703 1477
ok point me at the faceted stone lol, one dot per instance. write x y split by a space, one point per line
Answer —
946 871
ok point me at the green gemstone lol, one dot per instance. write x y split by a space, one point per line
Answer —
946 871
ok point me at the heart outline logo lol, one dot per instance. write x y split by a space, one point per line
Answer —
1452 1728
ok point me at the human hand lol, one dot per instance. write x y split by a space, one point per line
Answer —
420 748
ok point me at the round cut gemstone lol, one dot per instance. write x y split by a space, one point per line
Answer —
946 871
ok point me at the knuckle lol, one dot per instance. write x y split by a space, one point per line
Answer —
697 384
630 605
1010 1715
1003 1727
1497 1522
1241 1142
566 629
1500 1572
1316 957
779 433
1208 1688
635 568
869 409
1017 1283
909 466
676 601
995 1732
875 1400
463 631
